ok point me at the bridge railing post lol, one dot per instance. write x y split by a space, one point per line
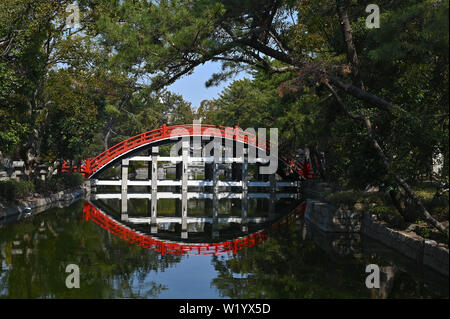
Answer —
154 190
124 190
273 195
184 188
244 191
215 224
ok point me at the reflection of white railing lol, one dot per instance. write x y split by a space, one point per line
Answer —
210 220
192 195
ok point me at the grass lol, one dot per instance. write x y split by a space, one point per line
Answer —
439 207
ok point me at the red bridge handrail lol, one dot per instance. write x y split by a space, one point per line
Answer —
92 165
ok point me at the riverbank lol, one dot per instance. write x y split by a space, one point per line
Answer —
21 208
331 219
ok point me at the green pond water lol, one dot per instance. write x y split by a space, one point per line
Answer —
294 260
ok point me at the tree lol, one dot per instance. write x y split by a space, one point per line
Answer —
170 38
33 40
69 120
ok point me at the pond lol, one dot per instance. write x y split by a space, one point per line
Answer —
278 256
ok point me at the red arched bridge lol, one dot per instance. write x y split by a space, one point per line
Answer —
92 167
240 151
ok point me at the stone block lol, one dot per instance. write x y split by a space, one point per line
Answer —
18 164
329 219
436 257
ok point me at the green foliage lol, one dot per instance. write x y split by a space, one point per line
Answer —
348 198
60 182
257 104
351 197
61 96
415 62
13 189
71 180
389 214
423 231
70 119
379 204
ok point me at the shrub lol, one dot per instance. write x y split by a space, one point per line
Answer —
71 180
12 189
60 182
351 197
390 215
423 231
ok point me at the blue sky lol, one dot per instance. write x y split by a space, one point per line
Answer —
193 89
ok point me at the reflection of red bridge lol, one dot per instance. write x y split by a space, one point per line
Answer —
145 140
169 247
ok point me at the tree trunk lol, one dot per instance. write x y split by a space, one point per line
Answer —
107 134
352 56
387 163
353 59
317 163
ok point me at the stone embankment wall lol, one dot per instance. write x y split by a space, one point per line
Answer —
40 204
330 219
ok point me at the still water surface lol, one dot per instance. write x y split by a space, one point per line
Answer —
293 260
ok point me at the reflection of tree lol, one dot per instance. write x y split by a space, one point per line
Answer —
109 267
286 266
405 287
